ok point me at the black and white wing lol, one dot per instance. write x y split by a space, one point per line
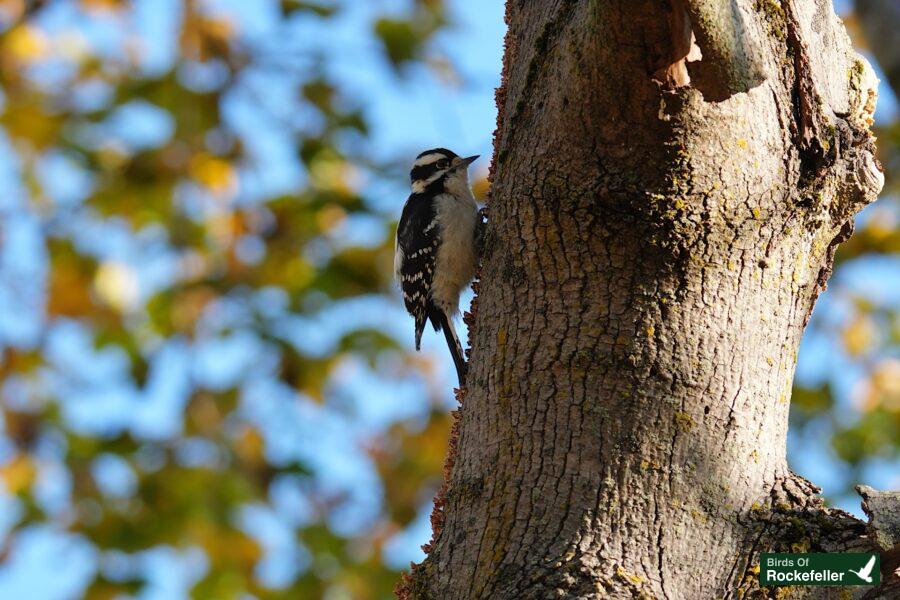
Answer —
418 237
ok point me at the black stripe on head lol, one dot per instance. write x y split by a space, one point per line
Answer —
444 151
430 162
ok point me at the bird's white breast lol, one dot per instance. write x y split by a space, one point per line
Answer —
457 216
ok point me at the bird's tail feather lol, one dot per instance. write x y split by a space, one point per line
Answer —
453 343
420 327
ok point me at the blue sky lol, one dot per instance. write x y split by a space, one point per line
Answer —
409 114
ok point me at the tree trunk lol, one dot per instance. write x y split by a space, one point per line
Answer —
660 227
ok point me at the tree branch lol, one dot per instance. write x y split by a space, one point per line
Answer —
797 520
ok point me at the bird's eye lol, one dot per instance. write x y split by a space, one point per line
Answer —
442 164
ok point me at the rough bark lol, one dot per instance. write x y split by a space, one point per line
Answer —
660 227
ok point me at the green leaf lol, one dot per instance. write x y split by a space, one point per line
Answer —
402 42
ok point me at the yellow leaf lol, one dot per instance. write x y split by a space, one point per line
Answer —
220 225
330 217
217 175
18 473
298 272
884 387
221 29
335 174
27 43
250 445
68 294
859 335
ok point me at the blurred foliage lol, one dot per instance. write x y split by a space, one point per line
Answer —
238 260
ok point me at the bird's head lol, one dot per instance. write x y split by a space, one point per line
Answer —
440 169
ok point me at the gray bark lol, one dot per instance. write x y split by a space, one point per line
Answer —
659 231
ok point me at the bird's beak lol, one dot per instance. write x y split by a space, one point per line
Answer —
461 163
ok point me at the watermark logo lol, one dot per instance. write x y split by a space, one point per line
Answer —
819 569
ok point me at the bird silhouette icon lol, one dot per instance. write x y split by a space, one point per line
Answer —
866 572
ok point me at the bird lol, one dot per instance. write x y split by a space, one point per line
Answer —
435 254
866 572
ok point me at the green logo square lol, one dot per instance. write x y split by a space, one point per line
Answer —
850 568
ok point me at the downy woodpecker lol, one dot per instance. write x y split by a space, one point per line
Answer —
435 253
